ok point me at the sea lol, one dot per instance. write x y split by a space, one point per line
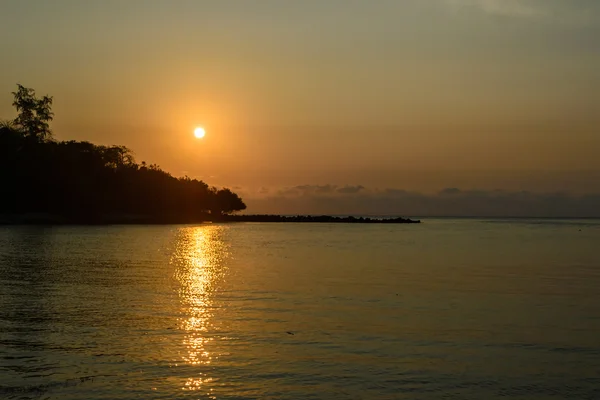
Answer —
446 309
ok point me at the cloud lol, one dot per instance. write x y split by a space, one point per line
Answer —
450 191
396 192
350 189
305 190
521 8
580 12
359 200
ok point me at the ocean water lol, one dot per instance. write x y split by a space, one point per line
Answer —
449 309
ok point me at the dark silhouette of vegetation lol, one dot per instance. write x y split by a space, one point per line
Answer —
35 114
73 181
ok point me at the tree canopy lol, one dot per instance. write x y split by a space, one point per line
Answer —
81 181
34 114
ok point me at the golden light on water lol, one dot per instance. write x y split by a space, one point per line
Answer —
199 255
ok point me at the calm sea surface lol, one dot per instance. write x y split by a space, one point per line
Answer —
449 309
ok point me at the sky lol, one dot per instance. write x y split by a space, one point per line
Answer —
367 100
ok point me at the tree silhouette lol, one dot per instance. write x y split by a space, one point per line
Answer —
226 202
82 182
34 115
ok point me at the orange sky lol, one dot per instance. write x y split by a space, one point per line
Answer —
418 95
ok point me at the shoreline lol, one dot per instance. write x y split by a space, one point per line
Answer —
52 219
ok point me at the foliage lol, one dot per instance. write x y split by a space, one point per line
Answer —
82 181
34 115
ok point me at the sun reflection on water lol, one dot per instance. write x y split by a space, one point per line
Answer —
199 256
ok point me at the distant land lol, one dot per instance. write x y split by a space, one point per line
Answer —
318 218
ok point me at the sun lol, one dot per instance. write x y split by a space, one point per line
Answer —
199 132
